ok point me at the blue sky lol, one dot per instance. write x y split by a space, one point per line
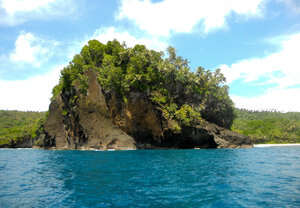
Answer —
254 42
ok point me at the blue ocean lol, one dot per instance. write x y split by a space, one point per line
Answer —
258 177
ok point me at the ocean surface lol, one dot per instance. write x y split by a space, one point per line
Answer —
258 177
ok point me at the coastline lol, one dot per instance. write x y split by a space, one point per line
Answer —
127 149
275 145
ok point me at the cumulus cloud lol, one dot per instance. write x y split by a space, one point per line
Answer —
31 94
110 33
280 99
284 61
162 18
32 54
105 34
31 49
14 6
13 12
279 68
34 93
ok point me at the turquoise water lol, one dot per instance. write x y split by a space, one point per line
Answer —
258 177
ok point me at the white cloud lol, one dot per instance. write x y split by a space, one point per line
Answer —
284 61
105 34
279 68
285 100
14 6
32 94
162 18
13 12
110 33
30 49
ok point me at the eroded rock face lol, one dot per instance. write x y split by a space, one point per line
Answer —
225 138
54 126
85 125
21 142
100 120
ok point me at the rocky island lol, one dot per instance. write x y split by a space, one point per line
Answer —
111 96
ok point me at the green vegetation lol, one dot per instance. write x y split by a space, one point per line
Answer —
15 125
268 127
262 127
182 95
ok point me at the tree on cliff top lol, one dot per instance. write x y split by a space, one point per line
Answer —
182 95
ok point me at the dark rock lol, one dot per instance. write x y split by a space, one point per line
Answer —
22 142
101 120
87 125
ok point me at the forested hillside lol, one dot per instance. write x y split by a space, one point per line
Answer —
16 125
262 127
176 98
182 95
157 100
182 98
268 127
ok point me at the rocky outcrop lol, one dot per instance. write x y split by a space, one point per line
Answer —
102 120
20 142
83 123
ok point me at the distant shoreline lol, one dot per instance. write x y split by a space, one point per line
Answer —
275 145
91 149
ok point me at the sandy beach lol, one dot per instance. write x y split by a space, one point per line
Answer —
275 145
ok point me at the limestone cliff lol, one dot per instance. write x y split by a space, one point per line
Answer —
103 120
